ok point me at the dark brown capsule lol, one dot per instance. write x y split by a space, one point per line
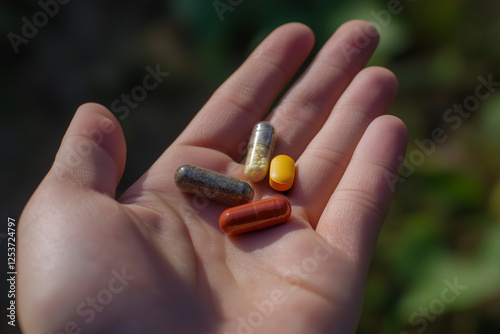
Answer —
213 186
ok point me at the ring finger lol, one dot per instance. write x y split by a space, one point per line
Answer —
321 166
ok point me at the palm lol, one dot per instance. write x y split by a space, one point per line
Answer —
185 274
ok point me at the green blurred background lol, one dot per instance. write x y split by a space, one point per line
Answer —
443 228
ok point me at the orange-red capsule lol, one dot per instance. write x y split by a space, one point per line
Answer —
255 215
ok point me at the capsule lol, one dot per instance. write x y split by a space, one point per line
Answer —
213 186
255 215
260 148
282 173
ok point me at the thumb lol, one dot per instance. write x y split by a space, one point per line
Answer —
92 152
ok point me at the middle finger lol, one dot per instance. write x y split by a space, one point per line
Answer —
306 106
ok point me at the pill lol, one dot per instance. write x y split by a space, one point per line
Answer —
281 173
255 215
260 148
213 186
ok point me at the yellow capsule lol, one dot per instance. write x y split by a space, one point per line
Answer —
282 173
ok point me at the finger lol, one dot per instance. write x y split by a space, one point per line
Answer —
324 161
306 106
355 212
92 153
227 119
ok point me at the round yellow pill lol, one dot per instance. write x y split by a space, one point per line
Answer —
281 173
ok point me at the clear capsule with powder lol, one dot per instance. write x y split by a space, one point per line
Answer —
260 148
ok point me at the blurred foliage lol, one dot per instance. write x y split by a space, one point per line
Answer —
445 218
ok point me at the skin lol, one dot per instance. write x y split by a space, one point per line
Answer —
183 275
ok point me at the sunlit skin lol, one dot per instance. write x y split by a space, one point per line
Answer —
187 276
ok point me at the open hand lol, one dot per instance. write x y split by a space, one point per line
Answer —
155 260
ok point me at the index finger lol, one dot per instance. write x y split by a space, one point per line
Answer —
229 116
